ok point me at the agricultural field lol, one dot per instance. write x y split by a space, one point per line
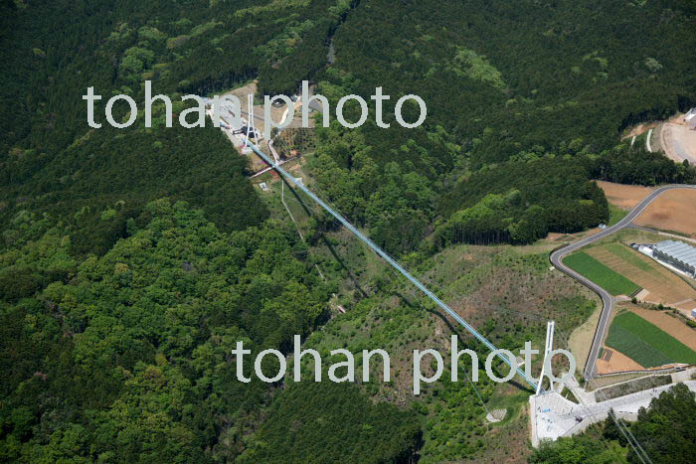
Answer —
622 196
667 322
611 361
596 271
646 343
662 286
674 211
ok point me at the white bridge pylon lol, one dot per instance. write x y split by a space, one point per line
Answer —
548 348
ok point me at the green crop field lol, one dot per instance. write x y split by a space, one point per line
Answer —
613 282
631 256
646 343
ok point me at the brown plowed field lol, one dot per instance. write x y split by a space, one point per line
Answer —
673 211
624 196
615 361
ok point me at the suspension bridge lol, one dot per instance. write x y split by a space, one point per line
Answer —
393 263
583 408
569 418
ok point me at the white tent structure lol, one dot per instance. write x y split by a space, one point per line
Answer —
690 119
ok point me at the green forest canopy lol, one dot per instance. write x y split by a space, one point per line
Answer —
119 308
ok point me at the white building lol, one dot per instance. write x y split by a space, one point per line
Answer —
690 119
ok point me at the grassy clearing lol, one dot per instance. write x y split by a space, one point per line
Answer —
616 214
646 343
613 282
513 403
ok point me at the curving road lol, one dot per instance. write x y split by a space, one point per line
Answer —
607 299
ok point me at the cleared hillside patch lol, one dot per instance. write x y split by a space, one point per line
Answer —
622 196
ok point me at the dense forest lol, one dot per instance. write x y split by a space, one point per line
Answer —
131 261
562 87
124 358
559 90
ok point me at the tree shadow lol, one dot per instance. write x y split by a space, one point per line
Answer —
325 241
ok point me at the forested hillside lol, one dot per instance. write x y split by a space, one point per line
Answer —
126 358
131 261
507 84
119 309
52 161
503 83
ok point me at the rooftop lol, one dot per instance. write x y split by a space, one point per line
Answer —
678 250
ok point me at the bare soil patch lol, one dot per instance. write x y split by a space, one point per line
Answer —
640 129
556 237
673 211
624 196
616 362
678 142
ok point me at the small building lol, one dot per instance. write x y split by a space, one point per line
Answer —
690 119
693 313
677 254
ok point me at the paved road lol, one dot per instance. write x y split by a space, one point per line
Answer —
607 299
